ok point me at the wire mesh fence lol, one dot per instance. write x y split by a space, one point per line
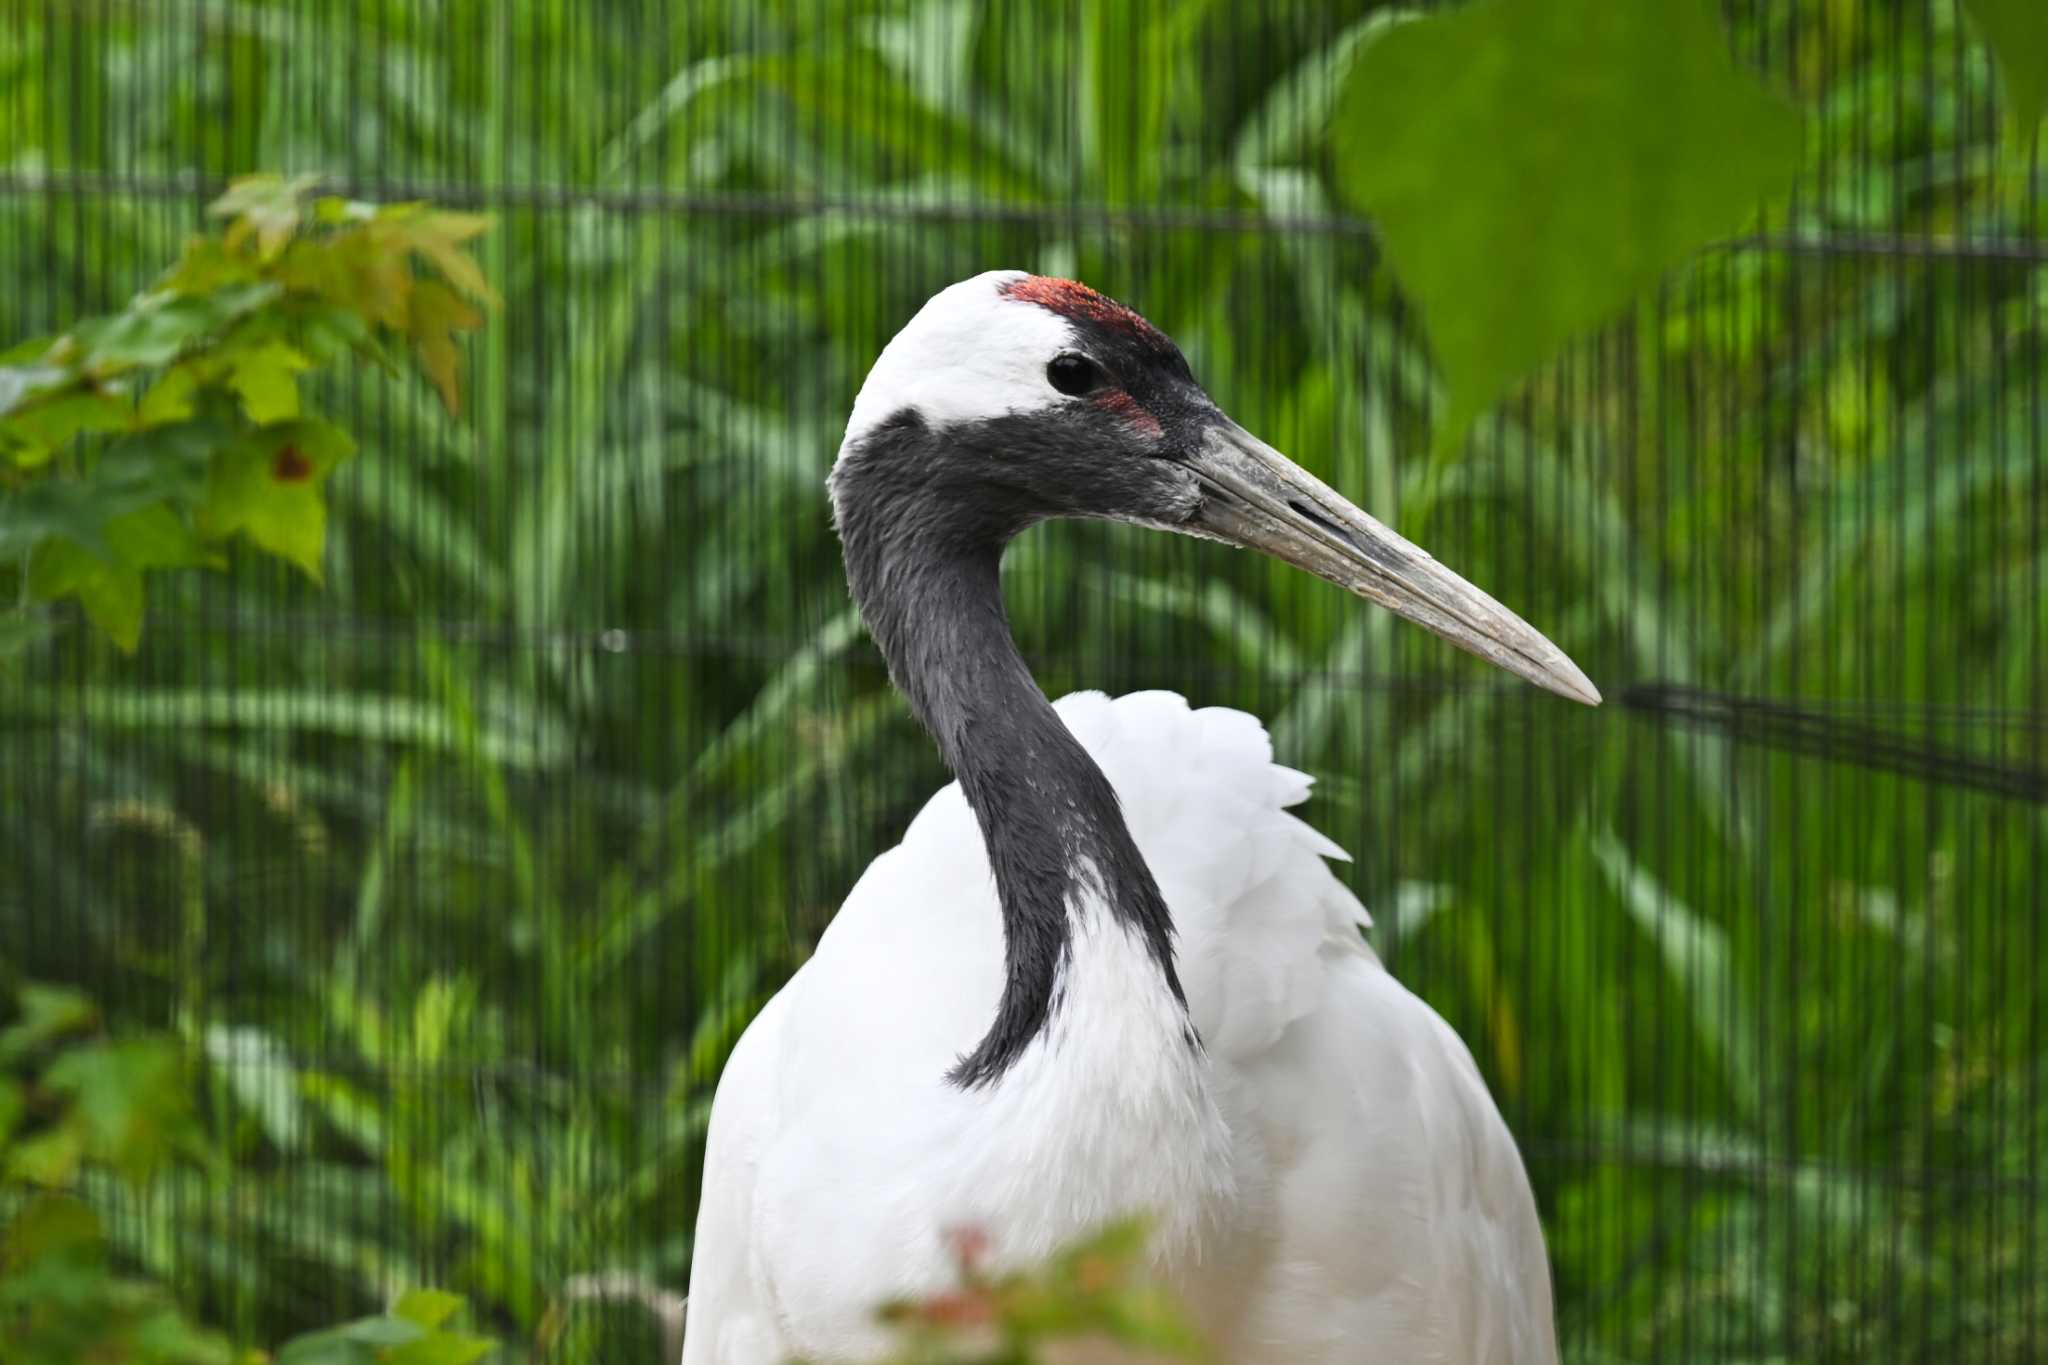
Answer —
460 872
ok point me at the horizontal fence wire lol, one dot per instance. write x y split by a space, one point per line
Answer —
641 201
1676 704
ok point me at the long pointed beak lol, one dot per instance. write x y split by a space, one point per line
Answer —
1257 498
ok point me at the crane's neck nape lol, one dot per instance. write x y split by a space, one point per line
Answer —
923 561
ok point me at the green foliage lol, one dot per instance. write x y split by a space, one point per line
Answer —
1532 168
2017 33
71 1101
70 1098
142 440
414 1332
60 1304
118 1102
1097 1291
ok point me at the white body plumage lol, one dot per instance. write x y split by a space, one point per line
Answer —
1335 1182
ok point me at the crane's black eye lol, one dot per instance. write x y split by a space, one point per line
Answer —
1073 374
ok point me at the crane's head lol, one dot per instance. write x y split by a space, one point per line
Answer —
1014 398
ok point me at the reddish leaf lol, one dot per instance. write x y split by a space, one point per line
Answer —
437 314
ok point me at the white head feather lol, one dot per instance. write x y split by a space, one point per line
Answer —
971 353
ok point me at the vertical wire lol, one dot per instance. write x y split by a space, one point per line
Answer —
2035 1231
1912 680
1871 683
1843 1014
1778 821
1969 300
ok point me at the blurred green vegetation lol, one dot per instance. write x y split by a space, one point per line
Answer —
452 882
83 1113
195 388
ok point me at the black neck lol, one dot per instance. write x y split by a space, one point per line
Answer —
926 579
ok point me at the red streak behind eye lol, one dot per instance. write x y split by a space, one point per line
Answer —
1124 406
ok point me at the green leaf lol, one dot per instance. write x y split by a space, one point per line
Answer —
29 349
155 537
159 328
259 1072
168 462
1151 1319
266 378
170 399
205 266
427 1307
266 207
2016 31
110 591
1532 165
161 464
436 315
383 1331
105 571
330 1347
329 332
143 335
130 1100
49 1225
441 1348
47 1013
22 384
268 488
529 738
165 1337
439 236
50 1158
38 430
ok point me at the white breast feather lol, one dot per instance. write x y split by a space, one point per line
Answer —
1252 898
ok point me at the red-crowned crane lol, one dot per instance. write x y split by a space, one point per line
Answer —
1106 972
